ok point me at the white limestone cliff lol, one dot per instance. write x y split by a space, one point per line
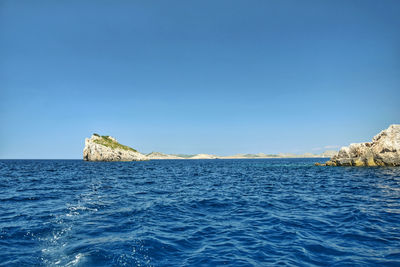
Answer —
384 150
107 148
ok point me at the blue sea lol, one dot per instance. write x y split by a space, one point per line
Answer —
256 212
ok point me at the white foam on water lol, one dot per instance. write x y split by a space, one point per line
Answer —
77 259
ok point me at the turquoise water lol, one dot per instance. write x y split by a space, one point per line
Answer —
284 212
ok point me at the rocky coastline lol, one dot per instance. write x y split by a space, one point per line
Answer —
383 150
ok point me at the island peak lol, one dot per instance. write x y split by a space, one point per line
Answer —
107 148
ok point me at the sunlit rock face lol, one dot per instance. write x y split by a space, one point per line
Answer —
106 148
384 150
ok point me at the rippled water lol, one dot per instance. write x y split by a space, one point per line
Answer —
198 213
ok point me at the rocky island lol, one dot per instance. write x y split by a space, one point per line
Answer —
384 150
107 148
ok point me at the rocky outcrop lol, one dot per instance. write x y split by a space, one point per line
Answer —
159 155
107 148
384 150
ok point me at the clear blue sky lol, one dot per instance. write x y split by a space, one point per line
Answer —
218 77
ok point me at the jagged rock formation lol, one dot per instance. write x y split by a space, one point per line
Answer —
384 150
107 148
159 155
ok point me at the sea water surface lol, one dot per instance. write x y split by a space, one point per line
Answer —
284 212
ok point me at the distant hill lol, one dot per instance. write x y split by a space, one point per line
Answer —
185 156
280 155
204 156
159 155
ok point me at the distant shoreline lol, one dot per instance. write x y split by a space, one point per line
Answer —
188 159
107 148
158 155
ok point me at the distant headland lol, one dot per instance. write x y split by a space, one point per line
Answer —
107 148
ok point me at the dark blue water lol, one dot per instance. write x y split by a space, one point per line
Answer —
198 213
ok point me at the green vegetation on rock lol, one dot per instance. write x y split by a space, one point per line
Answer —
105 140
